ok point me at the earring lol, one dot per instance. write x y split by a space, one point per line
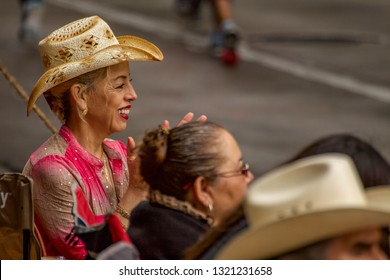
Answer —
84 112
210 208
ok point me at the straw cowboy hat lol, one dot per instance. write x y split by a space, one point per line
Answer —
83 46
302 203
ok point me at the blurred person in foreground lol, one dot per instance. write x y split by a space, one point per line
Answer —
197 177
372 166
87 84
313 208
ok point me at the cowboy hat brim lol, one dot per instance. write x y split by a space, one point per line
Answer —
130 48
270 241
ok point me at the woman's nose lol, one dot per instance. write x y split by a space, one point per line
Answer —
131 95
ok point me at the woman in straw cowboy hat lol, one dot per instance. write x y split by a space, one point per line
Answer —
314 208
88 86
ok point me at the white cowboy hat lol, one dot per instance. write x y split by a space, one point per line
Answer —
83 46
379 197
307 201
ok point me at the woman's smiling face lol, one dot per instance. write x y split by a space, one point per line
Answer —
110 100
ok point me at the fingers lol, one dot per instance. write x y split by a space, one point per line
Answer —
202 118
130 147
165 124
189 116
130 144
186 119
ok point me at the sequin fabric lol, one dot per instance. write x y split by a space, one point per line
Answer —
54 166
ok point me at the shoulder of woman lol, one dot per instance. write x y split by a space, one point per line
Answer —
54 146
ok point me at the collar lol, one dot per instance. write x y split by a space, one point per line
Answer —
173 203
75 146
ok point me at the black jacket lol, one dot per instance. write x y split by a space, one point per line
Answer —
159 232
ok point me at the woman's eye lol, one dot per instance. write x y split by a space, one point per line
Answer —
121 86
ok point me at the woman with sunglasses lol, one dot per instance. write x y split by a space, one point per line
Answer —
197 178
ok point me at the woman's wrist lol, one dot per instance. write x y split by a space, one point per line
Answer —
124 216
122 212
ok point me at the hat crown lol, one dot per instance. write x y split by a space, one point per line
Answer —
319 183
75 41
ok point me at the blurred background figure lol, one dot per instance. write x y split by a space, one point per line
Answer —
225 37
30 29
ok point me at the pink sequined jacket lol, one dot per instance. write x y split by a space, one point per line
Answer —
54 167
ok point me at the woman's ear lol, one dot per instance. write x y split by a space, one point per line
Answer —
202 192
79 95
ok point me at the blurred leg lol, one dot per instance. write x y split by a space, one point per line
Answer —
225 30
31 20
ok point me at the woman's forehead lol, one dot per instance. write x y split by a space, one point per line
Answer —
119 69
